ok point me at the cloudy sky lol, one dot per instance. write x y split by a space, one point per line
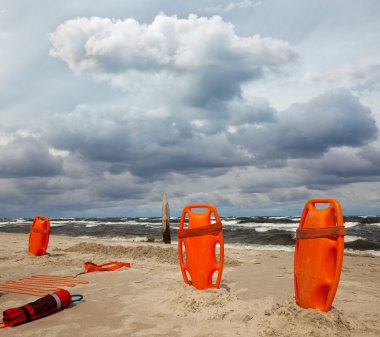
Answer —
253 106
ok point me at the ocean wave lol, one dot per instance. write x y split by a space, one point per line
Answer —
229 222
54 224
363 244
362 234
352 238
259 247
374 224
351 224
269 225
362 252
92 225
266 229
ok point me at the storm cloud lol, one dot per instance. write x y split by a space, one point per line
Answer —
151 147
306 130
255 109
28 156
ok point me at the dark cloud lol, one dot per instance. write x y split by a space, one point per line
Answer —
343 164
146 147
245 134
306 130
28 157
371 153
335 118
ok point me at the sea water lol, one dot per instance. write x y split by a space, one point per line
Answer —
255 232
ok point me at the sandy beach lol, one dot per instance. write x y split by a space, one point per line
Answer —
150 298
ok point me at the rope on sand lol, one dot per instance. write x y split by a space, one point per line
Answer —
39 285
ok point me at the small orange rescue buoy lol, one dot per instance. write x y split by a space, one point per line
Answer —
200 240
318 254
39 235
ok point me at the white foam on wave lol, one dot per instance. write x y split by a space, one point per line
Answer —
135 223
352 238
362 252
291 248
351 224
92 225
269 225
266 229
259 247
374 224
280 217
229 222
56 224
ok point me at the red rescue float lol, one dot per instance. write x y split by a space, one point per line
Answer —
39 235
200 241
319 254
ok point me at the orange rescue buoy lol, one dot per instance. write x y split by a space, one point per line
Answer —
39 235
200 240
318 254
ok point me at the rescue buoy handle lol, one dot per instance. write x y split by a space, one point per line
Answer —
76 298
187 210
334 204
199 206
210 208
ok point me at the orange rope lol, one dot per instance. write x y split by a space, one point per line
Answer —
39 285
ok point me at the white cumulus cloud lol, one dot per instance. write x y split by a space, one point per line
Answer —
203 58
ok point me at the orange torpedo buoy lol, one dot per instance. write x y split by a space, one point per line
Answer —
200 241
39 235
318 254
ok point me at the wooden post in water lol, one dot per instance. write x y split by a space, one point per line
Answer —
165 220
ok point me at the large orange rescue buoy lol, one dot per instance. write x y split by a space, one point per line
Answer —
39 235
318 254
200 240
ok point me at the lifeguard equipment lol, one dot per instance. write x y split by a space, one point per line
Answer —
39 235
318 254
200 240
109 266
44 306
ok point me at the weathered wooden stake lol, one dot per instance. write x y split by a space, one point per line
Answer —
165 220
